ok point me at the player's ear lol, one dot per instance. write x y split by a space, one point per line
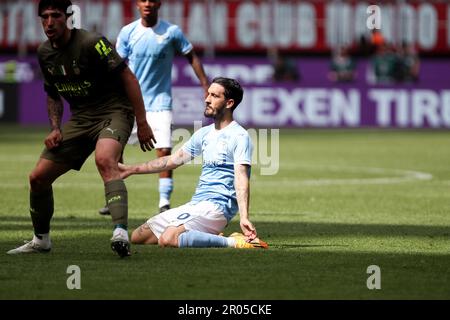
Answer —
230 103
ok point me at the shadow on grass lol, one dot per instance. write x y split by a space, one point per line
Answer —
265 229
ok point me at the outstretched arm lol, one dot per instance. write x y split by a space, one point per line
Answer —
55 109
242 185
157 165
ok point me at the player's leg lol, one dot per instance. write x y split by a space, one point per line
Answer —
161 124
107 155
202 223
194 225
143 235
41 204
165 182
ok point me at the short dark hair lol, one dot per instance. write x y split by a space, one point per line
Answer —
55 4
233 89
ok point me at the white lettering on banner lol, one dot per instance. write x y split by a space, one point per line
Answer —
253 24
172 12
2 104
387 24
1 29
402 113
383 100
304 107
427 26
219 24
417 108
448 25
360 20
246 25
344 110
425 104
198 24
114 20
20 30
291 24
283 30
267 12
445 102
306 29
407 23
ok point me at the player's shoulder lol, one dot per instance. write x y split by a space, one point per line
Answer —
44 49
204 130
129 28
86 38
238 129
202 133
239 134
167 26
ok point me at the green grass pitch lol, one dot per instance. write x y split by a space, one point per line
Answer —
340 202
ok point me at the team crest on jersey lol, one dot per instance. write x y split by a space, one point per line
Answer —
76 68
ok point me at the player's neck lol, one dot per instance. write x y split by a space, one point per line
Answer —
61 42
149 22
219 124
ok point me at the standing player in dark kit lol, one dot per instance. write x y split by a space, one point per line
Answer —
104 97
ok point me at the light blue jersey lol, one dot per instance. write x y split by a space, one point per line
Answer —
150 53
221 150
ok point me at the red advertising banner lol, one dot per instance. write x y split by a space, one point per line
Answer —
253 25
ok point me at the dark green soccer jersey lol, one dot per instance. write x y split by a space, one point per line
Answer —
86 73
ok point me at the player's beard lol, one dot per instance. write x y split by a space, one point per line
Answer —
214 113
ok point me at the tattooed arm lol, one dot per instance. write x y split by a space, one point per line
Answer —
242 185
55 111
157 165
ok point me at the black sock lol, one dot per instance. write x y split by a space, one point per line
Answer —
117 201
41 210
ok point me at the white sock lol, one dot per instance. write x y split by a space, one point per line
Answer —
163 202
44 242
122 233
231 242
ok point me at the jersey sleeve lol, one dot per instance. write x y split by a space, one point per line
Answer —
104 55
194 145
243 150
182 44
48 87
122 44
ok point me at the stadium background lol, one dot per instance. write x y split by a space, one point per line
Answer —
372 190
241 39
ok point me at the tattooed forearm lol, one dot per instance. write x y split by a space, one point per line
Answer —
55 111
161 164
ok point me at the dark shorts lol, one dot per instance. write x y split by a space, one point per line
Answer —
80 136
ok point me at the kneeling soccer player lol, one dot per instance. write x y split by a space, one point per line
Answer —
223 187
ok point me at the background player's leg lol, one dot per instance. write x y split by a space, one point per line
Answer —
165 182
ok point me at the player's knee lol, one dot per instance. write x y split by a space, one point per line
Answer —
104 164
37 182
167 240
135 238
